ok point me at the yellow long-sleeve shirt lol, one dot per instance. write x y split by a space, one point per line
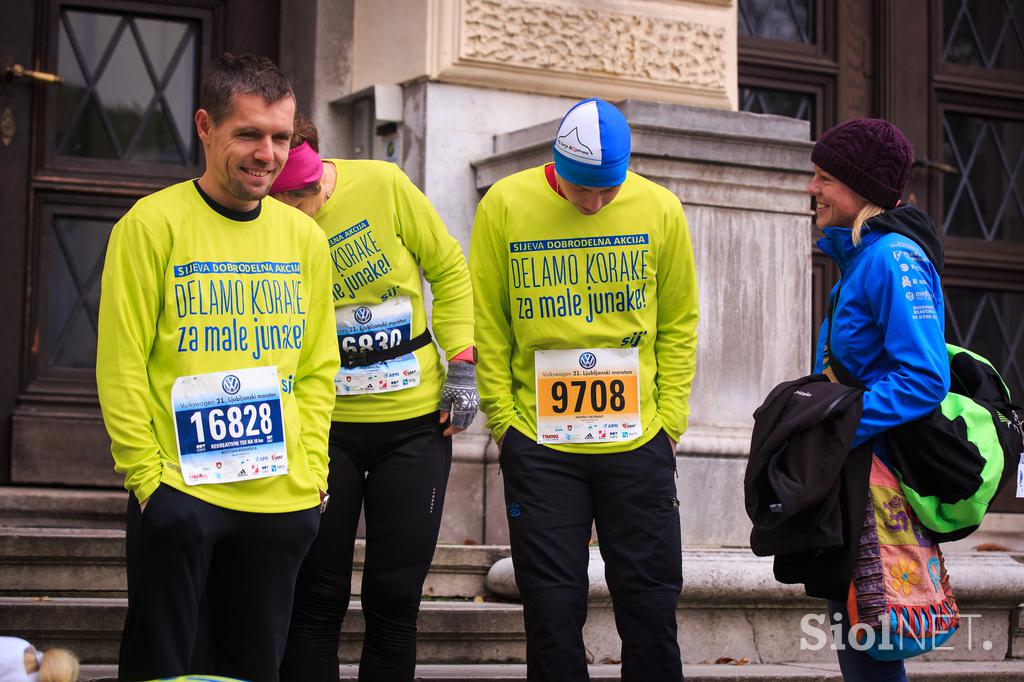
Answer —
188 291
380 231
547 277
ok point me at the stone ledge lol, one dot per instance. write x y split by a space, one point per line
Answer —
732 606
782 131
738 578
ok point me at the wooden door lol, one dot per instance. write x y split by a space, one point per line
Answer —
950 74
119 127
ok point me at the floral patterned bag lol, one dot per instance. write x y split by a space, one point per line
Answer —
900 590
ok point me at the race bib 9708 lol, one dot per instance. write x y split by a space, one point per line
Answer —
229 426
588 395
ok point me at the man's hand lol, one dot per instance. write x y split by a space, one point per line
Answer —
459 397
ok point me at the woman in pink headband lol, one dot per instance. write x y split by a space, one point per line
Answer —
305 178
397 406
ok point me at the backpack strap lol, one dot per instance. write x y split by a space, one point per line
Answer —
836 370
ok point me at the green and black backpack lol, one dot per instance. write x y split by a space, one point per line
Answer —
954 461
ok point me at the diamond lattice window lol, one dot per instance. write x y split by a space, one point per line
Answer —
780 102
990 323
985 33
985 199
77 247
130 87
787 20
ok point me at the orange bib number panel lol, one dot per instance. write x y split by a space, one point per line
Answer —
588 395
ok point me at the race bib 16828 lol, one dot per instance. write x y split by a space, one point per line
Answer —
229 426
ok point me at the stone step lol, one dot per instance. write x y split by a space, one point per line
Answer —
450 632
90 562
62 561
62 507
730 606
1003 671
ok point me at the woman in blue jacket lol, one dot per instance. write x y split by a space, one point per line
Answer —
887 313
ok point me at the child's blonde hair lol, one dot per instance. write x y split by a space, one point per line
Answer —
59 665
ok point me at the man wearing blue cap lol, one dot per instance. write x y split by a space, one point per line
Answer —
586 314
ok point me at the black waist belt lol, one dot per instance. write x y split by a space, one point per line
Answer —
364 357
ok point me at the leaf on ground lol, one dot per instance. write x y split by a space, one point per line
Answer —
991 547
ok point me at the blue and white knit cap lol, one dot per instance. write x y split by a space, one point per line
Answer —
592 145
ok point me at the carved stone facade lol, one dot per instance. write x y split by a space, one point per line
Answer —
664 50
573 39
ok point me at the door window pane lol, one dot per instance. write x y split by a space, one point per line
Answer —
78 245
985 33
985 198
780 102
788 20
130 87
990 323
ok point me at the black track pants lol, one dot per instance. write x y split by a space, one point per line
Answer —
247 562
552 498
398 472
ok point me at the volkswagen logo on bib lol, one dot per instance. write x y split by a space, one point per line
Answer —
231 384
363 314
588 360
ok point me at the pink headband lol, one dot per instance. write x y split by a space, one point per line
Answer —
303 168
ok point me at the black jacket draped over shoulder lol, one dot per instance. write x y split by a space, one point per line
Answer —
805 489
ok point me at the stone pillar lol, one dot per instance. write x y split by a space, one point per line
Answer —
741 179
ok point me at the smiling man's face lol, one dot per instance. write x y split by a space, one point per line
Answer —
246 150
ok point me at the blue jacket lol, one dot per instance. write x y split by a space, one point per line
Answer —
888 325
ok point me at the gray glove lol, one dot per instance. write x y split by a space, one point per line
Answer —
459 396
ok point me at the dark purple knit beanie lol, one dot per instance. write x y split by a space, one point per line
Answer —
870 155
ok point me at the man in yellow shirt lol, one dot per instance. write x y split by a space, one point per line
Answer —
585 299
215 365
